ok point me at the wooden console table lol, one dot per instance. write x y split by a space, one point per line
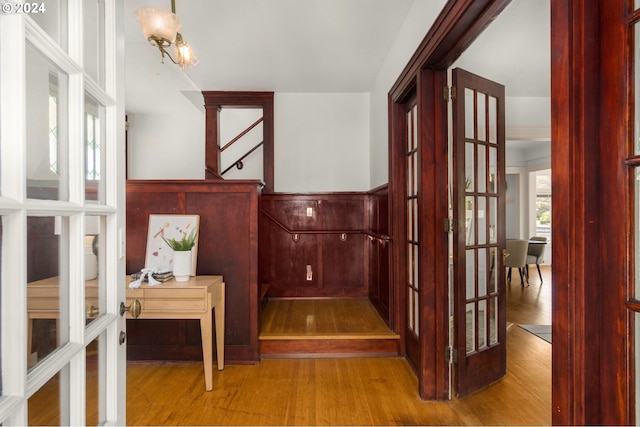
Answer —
193 299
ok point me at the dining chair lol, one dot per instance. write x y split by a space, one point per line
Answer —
535 254
516 257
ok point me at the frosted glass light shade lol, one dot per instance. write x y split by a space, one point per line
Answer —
159 26
186 57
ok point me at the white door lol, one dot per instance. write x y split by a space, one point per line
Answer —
61 184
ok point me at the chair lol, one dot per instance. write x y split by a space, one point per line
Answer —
516 258
535 254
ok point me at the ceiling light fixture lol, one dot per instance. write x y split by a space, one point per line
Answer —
160 27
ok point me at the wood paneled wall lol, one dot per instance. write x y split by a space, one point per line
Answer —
379 251
228 245
338 265
334 241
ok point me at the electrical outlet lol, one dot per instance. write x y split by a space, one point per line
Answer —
309 273
309 212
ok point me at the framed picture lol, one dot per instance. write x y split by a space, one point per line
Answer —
159 254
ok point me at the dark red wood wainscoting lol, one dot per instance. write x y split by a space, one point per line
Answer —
344 241
320 232
228 245
379 250
332 234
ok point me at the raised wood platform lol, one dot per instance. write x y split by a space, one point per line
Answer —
346 327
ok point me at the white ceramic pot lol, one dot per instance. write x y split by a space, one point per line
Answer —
181 265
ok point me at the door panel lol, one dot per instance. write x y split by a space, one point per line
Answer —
480 306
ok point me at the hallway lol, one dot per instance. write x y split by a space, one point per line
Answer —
351 391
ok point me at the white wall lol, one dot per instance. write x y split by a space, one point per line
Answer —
419 19
166 146
321 142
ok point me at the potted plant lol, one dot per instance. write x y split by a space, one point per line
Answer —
182 254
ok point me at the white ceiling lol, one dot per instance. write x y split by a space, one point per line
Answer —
316 46
273 45
515 50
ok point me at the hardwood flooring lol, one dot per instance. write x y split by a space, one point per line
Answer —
322 318
347 391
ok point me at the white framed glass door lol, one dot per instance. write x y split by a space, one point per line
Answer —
62 213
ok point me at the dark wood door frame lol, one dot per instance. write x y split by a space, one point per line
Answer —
592 372
426 75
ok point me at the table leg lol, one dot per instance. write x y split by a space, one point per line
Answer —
206 330
219 313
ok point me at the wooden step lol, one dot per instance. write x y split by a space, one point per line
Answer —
329 347
325 328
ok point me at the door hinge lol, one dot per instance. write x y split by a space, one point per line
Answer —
449 93
449 225
451 355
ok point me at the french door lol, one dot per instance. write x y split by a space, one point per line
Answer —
478 209
62 213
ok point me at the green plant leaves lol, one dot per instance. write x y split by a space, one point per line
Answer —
184 244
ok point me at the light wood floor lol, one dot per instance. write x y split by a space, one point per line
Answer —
348 391
362 391
321 318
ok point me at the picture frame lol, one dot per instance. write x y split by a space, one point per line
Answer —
158 253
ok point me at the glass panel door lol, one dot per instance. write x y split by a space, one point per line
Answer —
62 209
478 123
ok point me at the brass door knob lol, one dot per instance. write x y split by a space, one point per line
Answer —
92 311
505 254
134 309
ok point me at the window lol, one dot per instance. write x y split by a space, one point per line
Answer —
543 203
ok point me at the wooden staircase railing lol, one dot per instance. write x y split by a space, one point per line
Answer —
238 163
380 238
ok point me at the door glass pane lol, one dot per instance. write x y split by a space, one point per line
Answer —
94 149
47 288
469 220
95 380
471 274
493 279
416 268
482 323
94 259
409 177
469 161
493 124
416 172
482 272
51 16
93 43
482 220
493 321
469 114
482 168
409 132
492 213
493 170
471 327
482 116
47 130
416 313
410 307
46 407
